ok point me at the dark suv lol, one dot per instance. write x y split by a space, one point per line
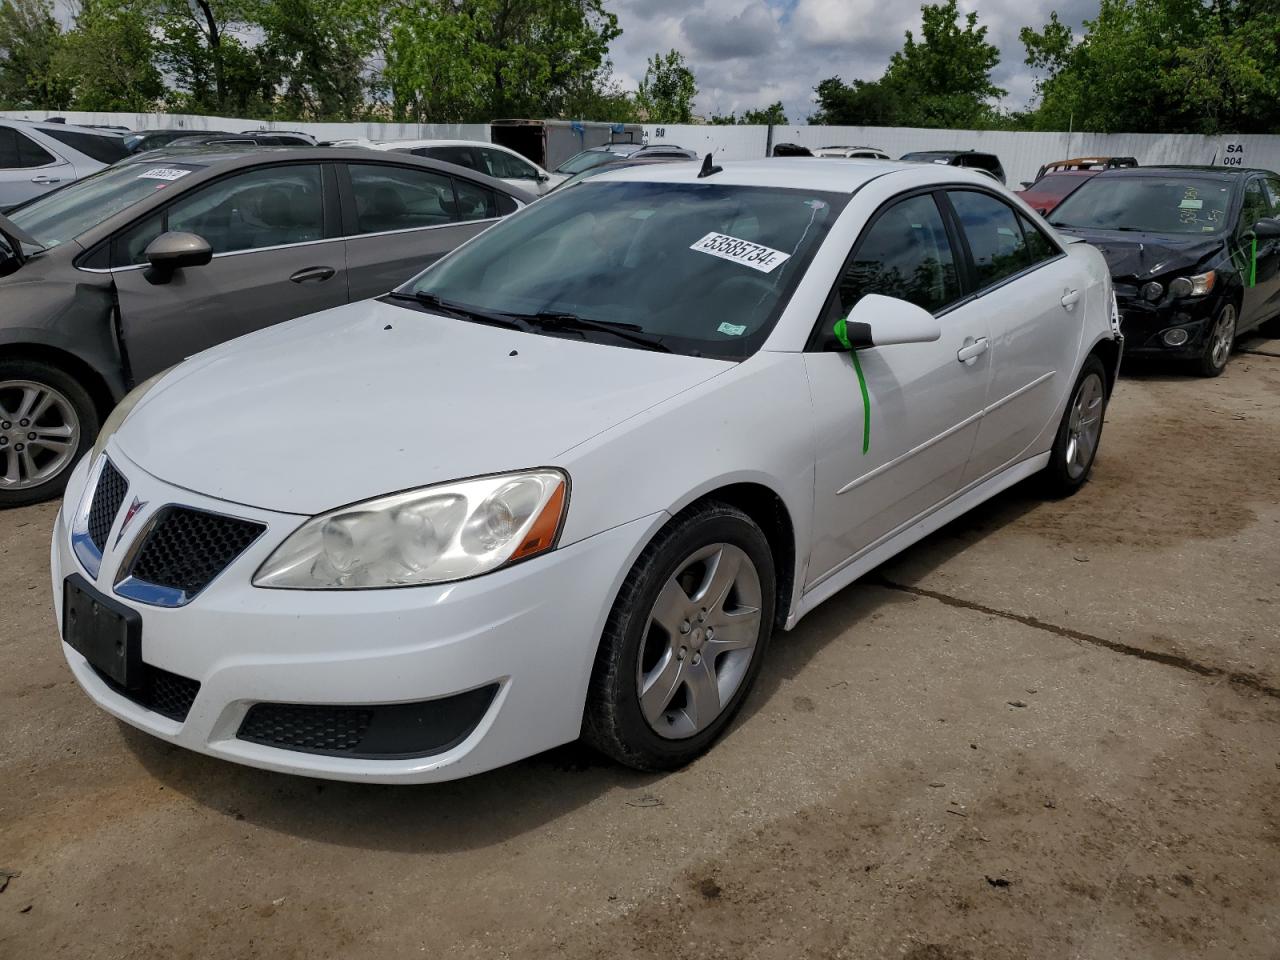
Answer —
986 162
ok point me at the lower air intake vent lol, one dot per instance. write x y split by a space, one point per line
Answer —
168 694
374 731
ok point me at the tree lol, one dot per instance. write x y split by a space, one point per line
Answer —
110 60
772 114
30 41
941 80
1165 66
316 49
668 89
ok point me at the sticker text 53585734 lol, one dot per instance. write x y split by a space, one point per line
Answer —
749 254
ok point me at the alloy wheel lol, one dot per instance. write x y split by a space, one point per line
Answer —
699 642
1224 335
39 433
1085 425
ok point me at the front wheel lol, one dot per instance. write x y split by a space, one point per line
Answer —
1076 443
684 641
1217 348
47 420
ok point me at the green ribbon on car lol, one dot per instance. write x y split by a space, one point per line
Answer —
1253 261
841 332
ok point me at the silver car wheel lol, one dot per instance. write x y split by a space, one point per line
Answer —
39 433
699 641
1085 425
1224 335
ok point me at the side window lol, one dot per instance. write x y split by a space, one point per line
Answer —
17 151
1273 194
462 156
1256 205
399 198
995 239
267 207
130 247
1039 247
904 254
505 166
102 149
475 202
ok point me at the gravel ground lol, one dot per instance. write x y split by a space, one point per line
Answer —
1051 730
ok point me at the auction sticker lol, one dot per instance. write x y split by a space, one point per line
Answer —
163 173
749 254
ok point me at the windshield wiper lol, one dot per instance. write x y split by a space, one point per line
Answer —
623 331
463 312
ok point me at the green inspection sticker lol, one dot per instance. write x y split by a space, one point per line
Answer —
732 329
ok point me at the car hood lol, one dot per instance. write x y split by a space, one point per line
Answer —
372 398
1138 257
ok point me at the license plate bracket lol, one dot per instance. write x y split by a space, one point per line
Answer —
103 631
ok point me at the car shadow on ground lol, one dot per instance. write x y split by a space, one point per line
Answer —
493 807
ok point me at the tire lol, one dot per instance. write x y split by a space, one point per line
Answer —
1218 344
675 722
1072 456
38 452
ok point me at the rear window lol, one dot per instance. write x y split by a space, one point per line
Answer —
17 151
100 148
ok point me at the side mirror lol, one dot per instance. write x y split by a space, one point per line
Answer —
879 321
173 251
1267 228
543 177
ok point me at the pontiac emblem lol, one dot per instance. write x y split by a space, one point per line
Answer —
134 509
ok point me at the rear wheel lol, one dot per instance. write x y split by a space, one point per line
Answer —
47 420
684 642
1079 433
1217 348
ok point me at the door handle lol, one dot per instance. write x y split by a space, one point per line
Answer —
318 274
973 350
1070 298
45 179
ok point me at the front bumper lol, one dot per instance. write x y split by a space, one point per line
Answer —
527 633
1144 326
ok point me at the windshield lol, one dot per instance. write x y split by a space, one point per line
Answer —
704 268
1147 204
1054 186
65 214
593 158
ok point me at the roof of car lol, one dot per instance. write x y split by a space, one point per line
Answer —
46 125
837 174
394 144
1195 170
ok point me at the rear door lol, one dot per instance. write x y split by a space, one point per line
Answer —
277 251
1034 297
28 169
400 220
516 171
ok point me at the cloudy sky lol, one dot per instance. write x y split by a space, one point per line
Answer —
749 53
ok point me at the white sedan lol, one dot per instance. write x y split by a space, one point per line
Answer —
499 162
570 480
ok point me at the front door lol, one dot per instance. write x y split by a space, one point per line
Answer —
272 262
403 219
883 463
1259 256
1035 297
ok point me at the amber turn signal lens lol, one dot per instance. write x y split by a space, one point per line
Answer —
542 535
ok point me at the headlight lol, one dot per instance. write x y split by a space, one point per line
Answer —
122 411
432 535
1196 286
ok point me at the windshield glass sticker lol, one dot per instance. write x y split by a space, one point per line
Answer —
732 329
1191 204
749 254
163 173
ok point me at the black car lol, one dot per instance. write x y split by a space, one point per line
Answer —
259 139
118 276
140 140
986 162
1194 254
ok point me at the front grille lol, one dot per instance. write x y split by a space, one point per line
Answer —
168 694
372 731
107 498
185 549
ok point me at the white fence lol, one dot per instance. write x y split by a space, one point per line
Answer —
1021 153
